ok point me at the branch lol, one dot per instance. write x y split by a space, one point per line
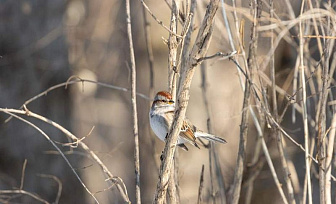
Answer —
172 83
134 106
7 111
151 79
328 160
157 20
113 180
305 113
58 181
200 188
38 198
244 120
199 49
218 54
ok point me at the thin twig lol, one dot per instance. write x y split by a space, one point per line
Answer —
186 40
71 81
150 55
328 160
276 131
274 175
157 20
59 192
218 54
110 178
256 161
134 106
238 176
172 87
38 198
209 129
9 112
200 188
304 116
23 173
204 87
227 26
172 49
213 158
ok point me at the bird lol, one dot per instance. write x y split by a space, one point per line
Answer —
161 116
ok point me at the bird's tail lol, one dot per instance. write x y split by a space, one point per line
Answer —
210 137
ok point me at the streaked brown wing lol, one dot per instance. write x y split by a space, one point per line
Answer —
187 132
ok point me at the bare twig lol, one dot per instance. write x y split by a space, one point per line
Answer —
38 198
219 175
213 159
274 175
186 40
227 26
157 20
218 54
304 106
200 188
238 176
173 186
23 173
110 178
59 192
9 112
199 49
172 49
172 87
328 160
70 81
151 77
150 55
256 161
276 131
209 127
134 106
268 159
242 147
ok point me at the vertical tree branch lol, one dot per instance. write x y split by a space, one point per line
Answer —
304 106
199 49
322 119
172 78
276 131
242 146
209 127
151 76
134 106
186 40
244 121
149 53
200 188
213 158
172 48
328 160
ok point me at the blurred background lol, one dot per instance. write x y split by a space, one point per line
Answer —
44 42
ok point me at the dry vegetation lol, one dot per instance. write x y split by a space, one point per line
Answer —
259 74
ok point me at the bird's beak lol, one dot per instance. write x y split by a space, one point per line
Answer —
171 102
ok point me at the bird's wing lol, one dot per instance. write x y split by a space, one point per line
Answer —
187 132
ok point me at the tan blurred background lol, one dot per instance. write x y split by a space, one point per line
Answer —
43 43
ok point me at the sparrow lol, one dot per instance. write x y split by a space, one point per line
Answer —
161 116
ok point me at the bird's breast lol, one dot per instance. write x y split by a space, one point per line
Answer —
158 126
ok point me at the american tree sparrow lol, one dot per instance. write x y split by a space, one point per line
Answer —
161 117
